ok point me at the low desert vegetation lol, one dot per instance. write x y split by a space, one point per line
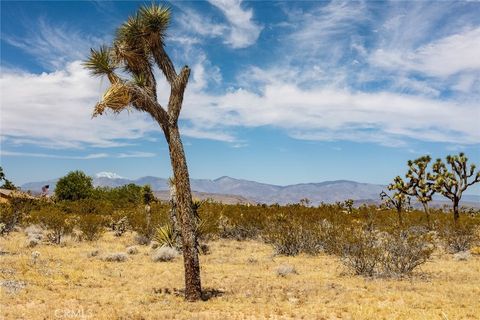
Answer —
127 226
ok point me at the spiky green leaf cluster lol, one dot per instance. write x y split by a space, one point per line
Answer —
101 62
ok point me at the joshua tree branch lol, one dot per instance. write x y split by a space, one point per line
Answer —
176 95
143 101
164 63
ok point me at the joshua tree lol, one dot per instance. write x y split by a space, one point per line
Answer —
137 47
7 184
418 185
452 183
397 201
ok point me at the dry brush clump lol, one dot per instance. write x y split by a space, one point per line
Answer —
285 270
460 236
371 253
115 257
164 254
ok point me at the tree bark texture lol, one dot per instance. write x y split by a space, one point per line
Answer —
193 289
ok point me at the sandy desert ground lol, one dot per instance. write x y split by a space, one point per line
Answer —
240 280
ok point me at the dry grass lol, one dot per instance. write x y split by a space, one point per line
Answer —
64 283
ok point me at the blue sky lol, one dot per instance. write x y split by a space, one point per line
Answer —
281 93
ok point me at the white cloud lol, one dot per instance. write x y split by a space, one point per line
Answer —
240 31
54 110
441 58
337 114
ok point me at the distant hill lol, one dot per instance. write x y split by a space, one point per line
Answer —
237 190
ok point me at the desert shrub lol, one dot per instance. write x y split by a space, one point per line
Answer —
75 185
118 224
138 221
361 251
13 213
459 237
92 226
163 254
141 239
237 222
285 269
373 252
31 242
288 238
405 250
93 253
87 206
132 250
53 219
462 256
115 257
8 219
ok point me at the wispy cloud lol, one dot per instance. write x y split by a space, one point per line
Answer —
52 45
329 80
242 30
7 153
53 156
238 31
440 58
137 154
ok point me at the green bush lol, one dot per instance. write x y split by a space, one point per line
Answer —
75 185
13 213
54 220
92 226
87 206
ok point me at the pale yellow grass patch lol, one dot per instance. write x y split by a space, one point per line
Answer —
64 283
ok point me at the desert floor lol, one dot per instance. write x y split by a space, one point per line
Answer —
63 282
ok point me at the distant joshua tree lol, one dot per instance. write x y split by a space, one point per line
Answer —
137 47
452 183
417 184
7 184
398 201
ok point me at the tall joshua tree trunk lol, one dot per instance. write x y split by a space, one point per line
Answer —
427 213
456 213
187 217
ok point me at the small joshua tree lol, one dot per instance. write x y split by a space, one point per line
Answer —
397 201
452 183
417 184
138 46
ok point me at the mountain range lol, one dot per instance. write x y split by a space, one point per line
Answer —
232 190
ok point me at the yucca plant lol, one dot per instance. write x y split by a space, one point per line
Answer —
137 48
165 236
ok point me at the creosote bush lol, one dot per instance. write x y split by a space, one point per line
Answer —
371 253
92 226
55 221
460 236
